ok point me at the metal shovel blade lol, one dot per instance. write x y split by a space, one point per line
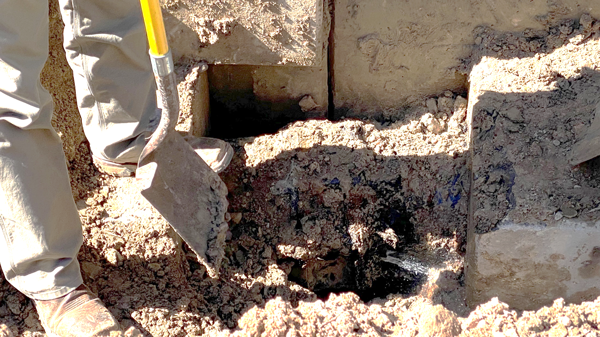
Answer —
190 196
589 147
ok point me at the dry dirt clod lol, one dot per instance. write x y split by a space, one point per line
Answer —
432 105
432 124
445 105
439 322
514 115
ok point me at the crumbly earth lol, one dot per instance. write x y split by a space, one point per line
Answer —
337 229
536 94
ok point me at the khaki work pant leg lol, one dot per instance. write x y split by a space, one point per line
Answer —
106 47
105 43
40 230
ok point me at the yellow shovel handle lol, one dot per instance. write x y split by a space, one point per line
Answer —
155 27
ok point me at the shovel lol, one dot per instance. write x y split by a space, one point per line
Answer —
174 179
589 147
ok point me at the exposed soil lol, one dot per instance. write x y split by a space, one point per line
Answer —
532 98
337 229
539 91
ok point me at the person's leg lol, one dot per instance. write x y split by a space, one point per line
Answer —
106 47
40 230
105 43
40 227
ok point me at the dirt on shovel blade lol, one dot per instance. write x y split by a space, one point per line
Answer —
189 195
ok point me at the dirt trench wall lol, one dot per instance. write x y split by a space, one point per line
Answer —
282 61
389 54
533 226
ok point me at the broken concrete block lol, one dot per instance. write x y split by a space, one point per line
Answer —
534 228
275 32
529 266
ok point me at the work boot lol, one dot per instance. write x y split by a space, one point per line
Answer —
77 314
216 153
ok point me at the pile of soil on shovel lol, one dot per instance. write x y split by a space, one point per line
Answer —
348 228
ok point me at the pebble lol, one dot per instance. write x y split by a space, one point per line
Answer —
236 218
432 105
445 105
568 212
558 216
240 257
514 115
586 21
556 142
307 103
113 256
432 124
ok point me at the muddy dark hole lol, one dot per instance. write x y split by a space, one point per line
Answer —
395 273
382 270
399 221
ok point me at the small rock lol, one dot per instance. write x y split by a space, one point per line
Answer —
236 218
119 243
32 322
91 269
432 106
14 304
459 115
432 124
445 105
514 115
564 321
132 332
154 266
556 142
104 191
414 127
81 204
267 253
460 105
586 21
307 103
113 256
558 216
239 256
559 303
4 310
568 212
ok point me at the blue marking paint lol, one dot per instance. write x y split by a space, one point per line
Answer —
454 189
